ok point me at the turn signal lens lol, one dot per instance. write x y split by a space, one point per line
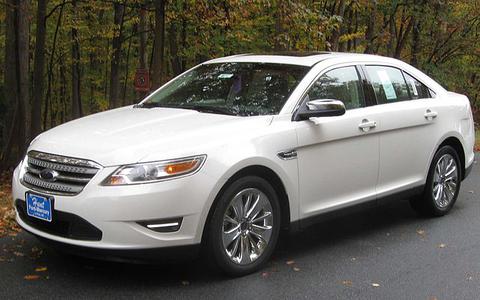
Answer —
180 167
155 171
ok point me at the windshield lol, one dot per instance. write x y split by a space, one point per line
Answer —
242 89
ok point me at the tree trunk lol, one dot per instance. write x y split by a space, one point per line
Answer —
127 63
16 81
175 60
50 66
10 82
336 33
158 52
417 28
119 11
279 27
142 49
76 96
370 32
38 69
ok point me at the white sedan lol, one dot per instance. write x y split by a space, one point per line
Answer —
233 151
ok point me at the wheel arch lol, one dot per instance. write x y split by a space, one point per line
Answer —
454 142
261 171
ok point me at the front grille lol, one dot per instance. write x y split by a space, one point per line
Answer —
71 174
63 224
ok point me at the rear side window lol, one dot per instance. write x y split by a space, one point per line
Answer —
340 84
417 89
388 83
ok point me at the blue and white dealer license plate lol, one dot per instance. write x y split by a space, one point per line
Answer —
39 207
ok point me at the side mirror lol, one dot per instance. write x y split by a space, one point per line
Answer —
320 108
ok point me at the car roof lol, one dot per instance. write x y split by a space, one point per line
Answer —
302 58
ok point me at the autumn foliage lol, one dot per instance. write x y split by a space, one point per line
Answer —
64 59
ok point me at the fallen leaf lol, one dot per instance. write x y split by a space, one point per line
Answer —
31 277
40 269
375 285
353 259
290 262
441 245
265 274
347 283
185 282
421 232
296 269
471 192
20 254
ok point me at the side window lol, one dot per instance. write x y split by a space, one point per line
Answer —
388 84
341 84
417 89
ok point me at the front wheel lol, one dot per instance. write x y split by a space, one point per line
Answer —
245 226
443 184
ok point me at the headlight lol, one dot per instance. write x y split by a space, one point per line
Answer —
155 171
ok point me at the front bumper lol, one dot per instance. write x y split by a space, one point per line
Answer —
117 211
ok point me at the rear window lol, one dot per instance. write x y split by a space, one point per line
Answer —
416 89
388 83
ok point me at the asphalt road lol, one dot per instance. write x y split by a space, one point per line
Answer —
384 253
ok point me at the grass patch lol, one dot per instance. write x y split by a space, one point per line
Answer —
477 139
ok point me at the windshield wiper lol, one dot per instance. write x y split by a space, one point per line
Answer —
210 109
199 108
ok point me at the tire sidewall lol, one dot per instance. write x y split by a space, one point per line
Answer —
216 225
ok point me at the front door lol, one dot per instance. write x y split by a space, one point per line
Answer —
337 156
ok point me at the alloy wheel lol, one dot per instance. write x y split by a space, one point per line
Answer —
247 226
445 181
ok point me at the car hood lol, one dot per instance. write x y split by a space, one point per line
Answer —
129 135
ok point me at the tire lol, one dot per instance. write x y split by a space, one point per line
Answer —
232 229
442 186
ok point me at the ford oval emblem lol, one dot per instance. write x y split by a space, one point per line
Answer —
48 175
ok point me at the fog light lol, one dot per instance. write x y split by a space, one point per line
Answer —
163 225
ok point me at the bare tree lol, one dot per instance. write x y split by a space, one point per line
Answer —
142 50
159 41
119 12
76 96
17 80
38 69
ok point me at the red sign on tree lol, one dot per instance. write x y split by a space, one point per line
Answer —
142 80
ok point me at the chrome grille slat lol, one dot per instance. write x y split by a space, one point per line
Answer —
71 174
61 167
55 186
60 177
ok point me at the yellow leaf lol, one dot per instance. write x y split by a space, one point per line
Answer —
347 283
31 277
40 269
421 232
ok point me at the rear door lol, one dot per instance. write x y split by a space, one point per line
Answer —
408 131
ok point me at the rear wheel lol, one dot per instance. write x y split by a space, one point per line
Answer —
245 226
443 184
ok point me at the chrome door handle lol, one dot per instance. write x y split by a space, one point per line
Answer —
366 125
430 115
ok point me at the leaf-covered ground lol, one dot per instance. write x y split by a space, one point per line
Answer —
477 140
8 226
